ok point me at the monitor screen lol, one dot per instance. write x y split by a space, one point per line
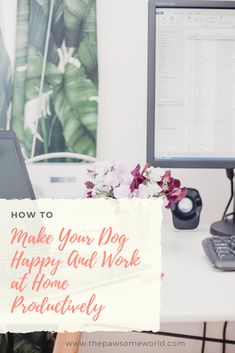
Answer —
192 69
14 180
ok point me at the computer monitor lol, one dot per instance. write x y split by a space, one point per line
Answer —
191 84
14 179
191 88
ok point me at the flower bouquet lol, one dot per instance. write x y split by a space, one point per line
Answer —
113 180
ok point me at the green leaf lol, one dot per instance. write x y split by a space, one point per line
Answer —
27 82
27 142
18 104
23 15
32 25
87 54
57 26
87 51
77 86
53 76
75 15
89 23
38 25
76 111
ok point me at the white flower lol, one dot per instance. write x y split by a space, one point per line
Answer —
110 174
112 179
100 190
99 171
154 174
122 191
148 190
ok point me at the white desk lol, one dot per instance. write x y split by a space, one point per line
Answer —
192 290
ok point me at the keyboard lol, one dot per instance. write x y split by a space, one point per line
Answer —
221 252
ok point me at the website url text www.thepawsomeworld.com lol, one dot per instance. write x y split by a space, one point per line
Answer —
108 344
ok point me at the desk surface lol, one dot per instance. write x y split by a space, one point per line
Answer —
192 290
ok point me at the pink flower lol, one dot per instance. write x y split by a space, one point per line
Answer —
89 185
175 196
168 183
138 178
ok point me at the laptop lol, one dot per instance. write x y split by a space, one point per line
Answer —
14 178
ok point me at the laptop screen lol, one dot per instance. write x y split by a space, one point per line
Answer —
14 179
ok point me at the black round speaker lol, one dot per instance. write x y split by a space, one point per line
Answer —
186 213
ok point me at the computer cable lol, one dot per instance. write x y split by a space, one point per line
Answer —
204 337
228 215
230 175
224 337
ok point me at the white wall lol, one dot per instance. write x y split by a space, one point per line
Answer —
122 46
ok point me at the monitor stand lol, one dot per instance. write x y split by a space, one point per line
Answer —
223 228
226 227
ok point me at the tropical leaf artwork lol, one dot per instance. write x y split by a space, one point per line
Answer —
56 77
